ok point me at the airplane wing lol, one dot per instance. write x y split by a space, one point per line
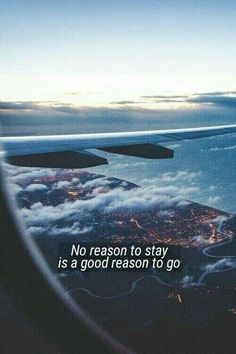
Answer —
71 151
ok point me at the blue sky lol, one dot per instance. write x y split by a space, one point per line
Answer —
98 53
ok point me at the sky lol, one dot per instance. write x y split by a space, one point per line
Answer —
107 53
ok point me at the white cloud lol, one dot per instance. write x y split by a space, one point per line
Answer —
212 188
171 191
187 281
121 166
221 264
21 174
200 240
138 199
223 148
74 229
125 165
220 218
166 213
35 187
174 146
213 200
36 230
173 177
15 188
78 216
97 182
62 184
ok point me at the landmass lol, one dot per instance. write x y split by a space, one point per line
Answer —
135 302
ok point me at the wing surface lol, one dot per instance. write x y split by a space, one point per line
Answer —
139 143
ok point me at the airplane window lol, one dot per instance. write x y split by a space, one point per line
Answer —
106 156
170 207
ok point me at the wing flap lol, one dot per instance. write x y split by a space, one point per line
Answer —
149 151
62 159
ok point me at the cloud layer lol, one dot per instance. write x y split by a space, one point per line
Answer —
220 99
71 217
